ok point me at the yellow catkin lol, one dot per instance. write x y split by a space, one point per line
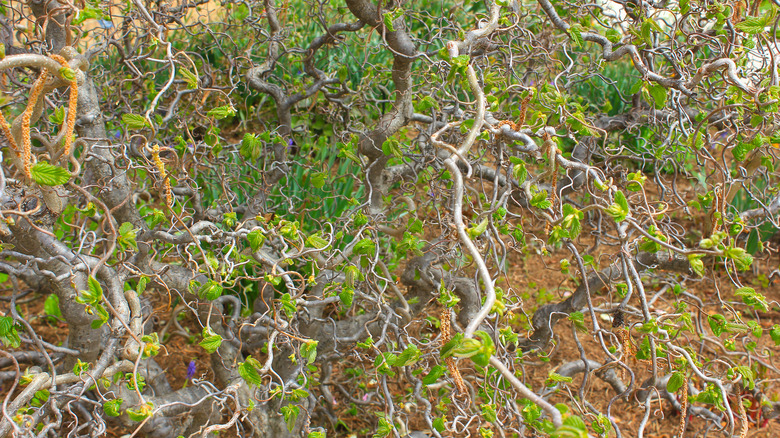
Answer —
72 104
684 407
552 151
523 111
450 361
744 417
163 174
26 117
554 182
628 348
7 131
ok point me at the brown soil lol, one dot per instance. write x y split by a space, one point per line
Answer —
664 421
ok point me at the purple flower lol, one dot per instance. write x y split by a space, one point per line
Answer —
190 369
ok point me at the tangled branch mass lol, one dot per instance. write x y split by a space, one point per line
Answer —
311 218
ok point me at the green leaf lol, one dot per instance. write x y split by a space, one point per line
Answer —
229 219
711 395
755 328
151 344
256 239
748 379
384 363
67 73
755 25
251 147
46 174
613 36
753 243
479 229
658 93
211 341
364 247
451 346
88 12
575 32
717 323
426 103
9 336
539 200
384 428
601 426
569 431
80 367
367 344
774 333
211 290
249 371
387 18
127 235
409 356
111 408
519 171
446 297
222 112
351 274
675 382
189 78
52 306
93 294
697 266
289 229
750 297
619 210
308 351
348 152
290 414
58 117
620 199
288 305
554 378
479 351
575 421
578 319
741 258
461 61
637 87
142 282
100 312
142 413
240 12
571 220
433 375
315 241
489 412
318 179
392 147
157 217
134 121
346 295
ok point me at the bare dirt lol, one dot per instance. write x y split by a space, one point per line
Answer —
540 276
